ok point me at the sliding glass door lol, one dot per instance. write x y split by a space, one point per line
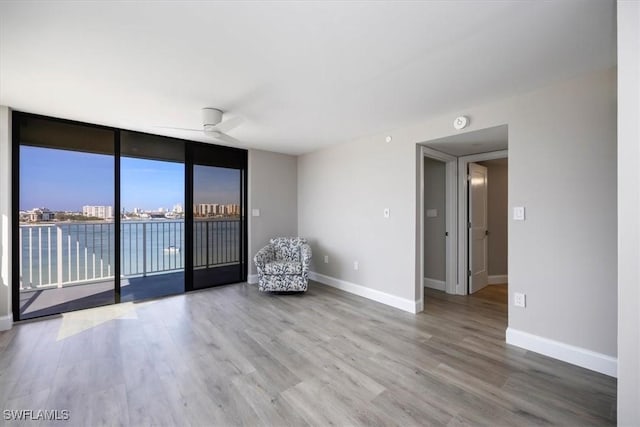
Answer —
104 215
152 216
218 228
64 224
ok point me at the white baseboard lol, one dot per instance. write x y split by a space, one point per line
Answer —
252 279
498 279
6 322
567 353
434 284
402 303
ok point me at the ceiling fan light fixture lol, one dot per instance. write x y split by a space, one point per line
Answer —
211 117
214 127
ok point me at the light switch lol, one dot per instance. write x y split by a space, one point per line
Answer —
518 213
432 213
255 212
386 212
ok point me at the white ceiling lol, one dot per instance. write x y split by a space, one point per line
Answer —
475 142
303 74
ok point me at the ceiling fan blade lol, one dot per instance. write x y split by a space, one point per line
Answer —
223 137
227 125
174 128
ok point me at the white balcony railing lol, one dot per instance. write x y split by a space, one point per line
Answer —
66 254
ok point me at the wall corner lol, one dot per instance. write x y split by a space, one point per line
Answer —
6 315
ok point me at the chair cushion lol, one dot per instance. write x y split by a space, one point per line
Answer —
283 267
287 248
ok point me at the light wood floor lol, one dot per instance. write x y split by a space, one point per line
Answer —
233 356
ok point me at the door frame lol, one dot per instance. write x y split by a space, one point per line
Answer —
463 213
451 205
204 154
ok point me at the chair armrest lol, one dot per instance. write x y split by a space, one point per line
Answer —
305 257
263 256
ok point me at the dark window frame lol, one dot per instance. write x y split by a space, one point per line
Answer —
226 157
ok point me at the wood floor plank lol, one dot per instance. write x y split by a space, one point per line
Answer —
109 407
235 356
268 405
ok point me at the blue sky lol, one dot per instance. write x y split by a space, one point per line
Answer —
216 185
64 180
67 180
150 184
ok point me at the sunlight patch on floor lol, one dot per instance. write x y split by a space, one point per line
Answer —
79 321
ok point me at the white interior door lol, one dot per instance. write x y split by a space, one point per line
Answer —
478 228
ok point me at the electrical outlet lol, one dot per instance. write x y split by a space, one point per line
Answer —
326 259
356 265
519 300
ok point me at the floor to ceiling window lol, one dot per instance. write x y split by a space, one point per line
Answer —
65 236
218 228
104 215
152 216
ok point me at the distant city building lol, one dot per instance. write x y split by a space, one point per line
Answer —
207 209
138 211
177 208
215 209
232 209
40 214
104 212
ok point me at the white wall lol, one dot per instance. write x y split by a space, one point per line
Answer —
628 213
342 192
562 157
5 219
273 189
435 243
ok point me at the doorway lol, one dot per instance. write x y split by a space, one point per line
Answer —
488 223
435 227
479 148
217 225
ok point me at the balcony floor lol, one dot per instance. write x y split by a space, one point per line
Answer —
45 302
57 300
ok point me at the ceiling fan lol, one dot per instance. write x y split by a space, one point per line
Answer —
213 126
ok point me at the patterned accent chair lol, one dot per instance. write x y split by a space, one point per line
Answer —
283 265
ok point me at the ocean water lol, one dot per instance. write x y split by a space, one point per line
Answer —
87 248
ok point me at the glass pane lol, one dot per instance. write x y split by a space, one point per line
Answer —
217 222
152 218
66 232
